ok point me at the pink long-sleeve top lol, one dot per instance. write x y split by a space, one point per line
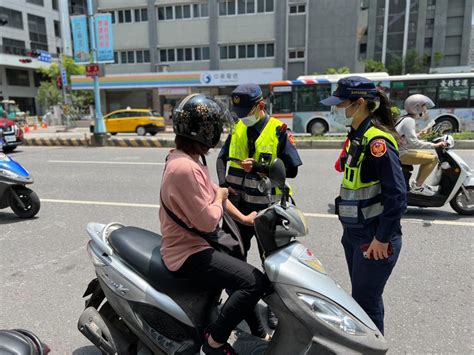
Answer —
187 190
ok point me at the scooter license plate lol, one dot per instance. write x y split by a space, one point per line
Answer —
10 139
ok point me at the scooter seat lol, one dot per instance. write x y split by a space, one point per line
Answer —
140 249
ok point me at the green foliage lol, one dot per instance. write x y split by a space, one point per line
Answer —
341 70
372 66
438 56
413 63
49 94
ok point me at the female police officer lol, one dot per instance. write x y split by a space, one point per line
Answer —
373 193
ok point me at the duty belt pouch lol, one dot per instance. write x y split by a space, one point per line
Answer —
349 213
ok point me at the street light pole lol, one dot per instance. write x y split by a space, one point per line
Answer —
100 134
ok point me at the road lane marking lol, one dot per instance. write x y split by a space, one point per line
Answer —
100 203
103 162
310 215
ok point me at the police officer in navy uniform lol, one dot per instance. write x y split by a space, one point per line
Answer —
373 193
257 139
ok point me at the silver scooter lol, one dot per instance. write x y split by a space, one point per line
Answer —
452 177
136 306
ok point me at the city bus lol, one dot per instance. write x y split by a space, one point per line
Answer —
297 102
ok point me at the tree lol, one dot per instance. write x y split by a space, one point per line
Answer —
372 66
49 94
341 70
413 63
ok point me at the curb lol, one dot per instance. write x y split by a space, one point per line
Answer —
169 143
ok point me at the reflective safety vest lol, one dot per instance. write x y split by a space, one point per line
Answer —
266 147
360 203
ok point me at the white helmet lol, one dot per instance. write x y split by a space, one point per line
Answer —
418 105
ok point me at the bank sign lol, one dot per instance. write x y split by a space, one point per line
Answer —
181 79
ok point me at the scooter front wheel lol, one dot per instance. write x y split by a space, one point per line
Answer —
463 201
24 202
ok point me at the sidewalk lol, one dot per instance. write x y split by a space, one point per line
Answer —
60 136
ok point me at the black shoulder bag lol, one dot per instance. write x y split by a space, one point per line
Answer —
227 242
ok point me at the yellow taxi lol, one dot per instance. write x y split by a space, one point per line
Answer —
141 121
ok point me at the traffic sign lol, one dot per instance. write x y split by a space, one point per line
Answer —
44 56
92 69
64 77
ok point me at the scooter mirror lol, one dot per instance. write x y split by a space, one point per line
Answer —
277 173
264 186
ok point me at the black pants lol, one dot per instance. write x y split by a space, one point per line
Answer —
218 270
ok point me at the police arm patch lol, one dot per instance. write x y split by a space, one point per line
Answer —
291 138
378 147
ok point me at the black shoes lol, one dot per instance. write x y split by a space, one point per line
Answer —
272 319
225 349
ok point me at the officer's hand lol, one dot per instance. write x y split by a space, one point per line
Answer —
248 219
247 164
232 191
377 250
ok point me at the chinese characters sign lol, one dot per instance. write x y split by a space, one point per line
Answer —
80 39
104 38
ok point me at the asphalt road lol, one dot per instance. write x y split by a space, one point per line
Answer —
44 267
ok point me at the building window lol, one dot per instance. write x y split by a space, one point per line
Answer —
112 13
130 57
38 78
431 5
296 54
200 10
297 9
13 46
242 7
124 16
428 42
36 2
14 18
141 15
57 29
38 35
146 56
54 4
116 57
430 23
247 51
17 77
184 54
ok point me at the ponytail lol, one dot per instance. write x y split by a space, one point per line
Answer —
381 112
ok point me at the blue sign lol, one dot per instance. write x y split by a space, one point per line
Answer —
44 57
80 38
104 38
64 77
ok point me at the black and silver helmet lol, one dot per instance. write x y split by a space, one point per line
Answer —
201 118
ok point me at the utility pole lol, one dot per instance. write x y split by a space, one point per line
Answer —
100 136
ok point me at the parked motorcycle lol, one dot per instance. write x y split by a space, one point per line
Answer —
21 342
135 305
13 192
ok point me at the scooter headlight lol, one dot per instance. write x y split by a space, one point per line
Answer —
332 314
3 157
9 174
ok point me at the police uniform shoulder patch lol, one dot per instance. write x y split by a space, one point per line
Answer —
282 129
378 147
291 138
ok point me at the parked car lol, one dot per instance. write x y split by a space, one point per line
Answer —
12 135
141 121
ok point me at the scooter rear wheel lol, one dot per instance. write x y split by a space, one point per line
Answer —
463 204
30 200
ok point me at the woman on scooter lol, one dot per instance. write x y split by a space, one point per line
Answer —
188 191
373 192
413 151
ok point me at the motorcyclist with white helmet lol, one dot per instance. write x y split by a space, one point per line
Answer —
413 151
